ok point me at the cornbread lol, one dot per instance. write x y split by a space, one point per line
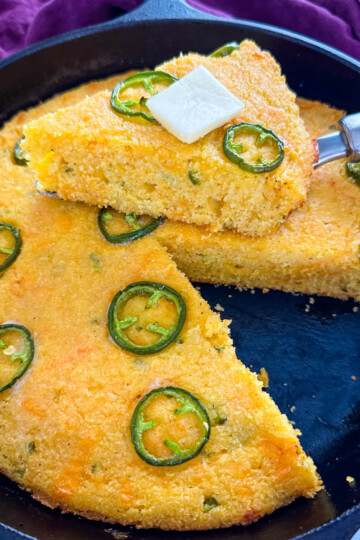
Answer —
92 154
316 251
65 425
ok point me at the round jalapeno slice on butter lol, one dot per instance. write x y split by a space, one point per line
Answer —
138 230
25 356
154 292
19 153
147 79
189 404
263 135
353 170
225 50
12 252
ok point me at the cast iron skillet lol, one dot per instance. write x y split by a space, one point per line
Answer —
310 352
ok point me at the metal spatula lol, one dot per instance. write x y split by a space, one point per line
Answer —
343 143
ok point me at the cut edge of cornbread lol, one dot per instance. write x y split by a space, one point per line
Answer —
316 251
92 154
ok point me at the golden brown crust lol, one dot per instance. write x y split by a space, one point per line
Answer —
249 517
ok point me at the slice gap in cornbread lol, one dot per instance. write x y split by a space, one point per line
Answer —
91 153
65 425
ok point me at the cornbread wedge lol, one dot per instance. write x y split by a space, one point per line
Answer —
65 425
91 153
316 251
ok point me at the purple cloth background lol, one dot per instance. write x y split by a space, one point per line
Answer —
336 22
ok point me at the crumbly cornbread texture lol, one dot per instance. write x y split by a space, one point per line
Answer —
64 427
90 153
316 251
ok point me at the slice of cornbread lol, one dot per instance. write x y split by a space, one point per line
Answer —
316 251
90 153
65 425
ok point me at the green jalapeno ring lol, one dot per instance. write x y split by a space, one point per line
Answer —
130 236
14 252
146 79
232 150
19 153
26 356
225 49
353 170
190 403
155 291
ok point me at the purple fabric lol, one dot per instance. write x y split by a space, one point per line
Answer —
336 22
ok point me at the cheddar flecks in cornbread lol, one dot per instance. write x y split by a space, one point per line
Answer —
137 166
316 251
65 426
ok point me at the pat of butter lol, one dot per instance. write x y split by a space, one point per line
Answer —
194 105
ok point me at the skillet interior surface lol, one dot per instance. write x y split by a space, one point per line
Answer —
311 354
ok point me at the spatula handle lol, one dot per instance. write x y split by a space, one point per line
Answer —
339 144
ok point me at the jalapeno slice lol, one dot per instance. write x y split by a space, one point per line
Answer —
225 50
154 291
353 170
189 404
146 79
233 151
19 153
26 355
137 231
13 252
